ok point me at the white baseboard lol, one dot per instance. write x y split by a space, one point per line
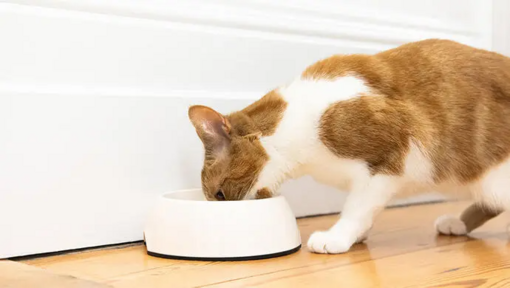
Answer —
308 198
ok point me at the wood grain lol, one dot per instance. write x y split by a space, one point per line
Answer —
403 250
18 275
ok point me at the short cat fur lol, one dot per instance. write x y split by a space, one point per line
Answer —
428 115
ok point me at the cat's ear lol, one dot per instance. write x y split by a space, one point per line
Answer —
212 127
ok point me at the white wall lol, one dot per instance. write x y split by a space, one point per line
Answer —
501 27
94 97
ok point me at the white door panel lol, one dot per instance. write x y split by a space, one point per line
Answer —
94 97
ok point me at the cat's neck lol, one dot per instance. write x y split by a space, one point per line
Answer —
293 144
263 118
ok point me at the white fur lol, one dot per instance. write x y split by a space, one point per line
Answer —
450 225
334 241
364 202
494 188
295 150
418 167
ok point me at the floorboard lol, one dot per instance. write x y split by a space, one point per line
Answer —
18 275
403 250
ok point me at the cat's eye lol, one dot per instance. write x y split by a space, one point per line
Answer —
219 195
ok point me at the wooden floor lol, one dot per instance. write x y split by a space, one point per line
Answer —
403 250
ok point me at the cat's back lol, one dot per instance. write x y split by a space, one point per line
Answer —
451 99
443 67
427 67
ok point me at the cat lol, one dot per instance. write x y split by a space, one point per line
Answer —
431 115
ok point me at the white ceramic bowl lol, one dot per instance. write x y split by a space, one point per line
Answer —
184 225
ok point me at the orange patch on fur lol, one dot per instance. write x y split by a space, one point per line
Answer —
452 98
370 128
263 193
234 169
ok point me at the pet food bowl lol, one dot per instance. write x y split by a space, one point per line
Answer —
183 225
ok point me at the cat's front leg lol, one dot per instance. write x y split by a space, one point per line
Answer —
363 203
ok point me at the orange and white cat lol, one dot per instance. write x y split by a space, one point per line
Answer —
433 115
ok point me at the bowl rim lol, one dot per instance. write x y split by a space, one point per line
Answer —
164 198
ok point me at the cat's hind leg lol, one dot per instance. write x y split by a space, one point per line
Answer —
492 198
473 217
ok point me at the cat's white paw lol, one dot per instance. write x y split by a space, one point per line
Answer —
329 242
362 238
450 225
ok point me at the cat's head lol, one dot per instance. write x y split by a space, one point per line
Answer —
234 156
